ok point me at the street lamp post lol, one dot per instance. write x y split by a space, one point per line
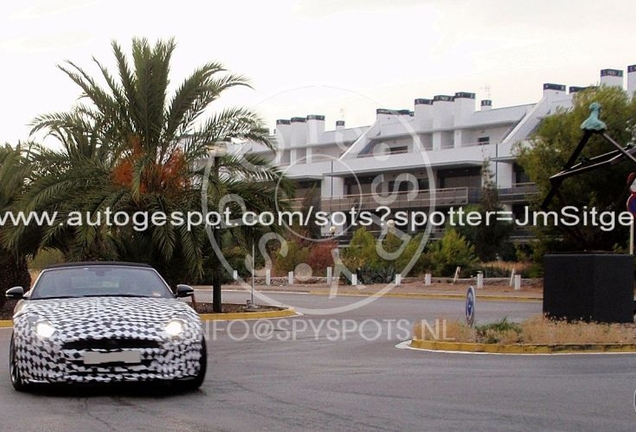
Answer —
217 151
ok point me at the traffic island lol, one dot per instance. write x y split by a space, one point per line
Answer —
269 312
465 347
538 335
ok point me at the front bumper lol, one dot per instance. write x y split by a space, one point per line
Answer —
50 361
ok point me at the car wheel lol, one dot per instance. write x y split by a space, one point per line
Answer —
14 371
197 381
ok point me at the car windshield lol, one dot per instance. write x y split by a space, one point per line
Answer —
98 281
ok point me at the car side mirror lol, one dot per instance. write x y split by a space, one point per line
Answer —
183 291
15 293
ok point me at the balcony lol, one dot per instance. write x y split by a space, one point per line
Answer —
519 193
403 200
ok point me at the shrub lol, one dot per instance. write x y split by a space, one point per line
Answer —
363 253
376 274
421 263
451 251
297 253
320 256
504 332
361 250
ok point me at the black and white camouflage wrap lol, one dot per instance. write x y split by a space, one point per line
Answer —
106 324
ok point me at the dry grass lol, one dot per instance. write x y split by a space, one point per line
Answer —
507 266
449 329
538 330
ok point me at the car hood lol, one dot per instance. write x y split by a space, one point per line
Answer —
106 313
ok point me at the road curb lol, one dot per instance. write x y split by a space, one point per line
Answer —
486 297
465 347
232 316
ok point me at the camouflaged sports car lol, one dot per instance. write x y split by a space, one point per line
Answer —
104 322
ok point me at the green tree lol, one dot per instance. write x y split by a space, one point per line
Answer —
361 250
489 238
377 260
132 145
14 168
451 251
603 189
297 253
416 255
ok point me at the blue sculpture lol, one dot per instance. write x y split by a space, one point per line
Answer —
593 123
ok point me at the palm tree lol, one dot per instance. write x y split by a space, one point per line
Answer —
14 168
133 146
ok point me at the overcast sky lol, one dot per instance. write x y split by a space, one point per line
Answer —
339 58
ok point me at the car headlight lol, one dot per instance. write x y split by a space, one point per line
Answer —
174 327
44 329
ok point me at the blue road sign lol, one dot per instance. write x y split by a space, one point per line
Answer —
470 306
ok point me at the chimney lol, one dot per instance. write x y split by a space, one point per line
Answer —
551 90
340 124
464 105
283 133
631 80
486 104
442 111
384 116
298 131
575 89
424 112
315 127
612 77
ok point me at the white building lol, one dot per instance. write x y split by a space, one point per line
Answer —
428 156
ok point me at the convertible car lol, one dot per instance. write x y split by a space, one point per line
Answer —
104 322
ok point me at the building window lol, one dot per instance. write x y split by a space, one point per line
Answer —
483 140
403 186
399 150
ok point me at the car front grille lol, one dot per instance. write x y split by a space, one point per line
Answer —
110 344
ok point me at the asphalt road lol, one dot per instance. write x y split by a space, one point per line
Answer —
343 373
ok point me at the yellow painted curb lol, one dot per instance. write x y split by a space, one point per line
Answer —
522 348
248 315
6 323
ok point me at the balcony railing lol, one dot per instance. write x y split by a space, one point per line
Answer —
423 199
520 192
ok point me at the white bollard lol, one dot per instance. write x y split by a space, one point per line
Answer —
512 277
235 275
329 275
457 270
427 279
268 277
517 282
290 278
398 279
354 279
480 280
